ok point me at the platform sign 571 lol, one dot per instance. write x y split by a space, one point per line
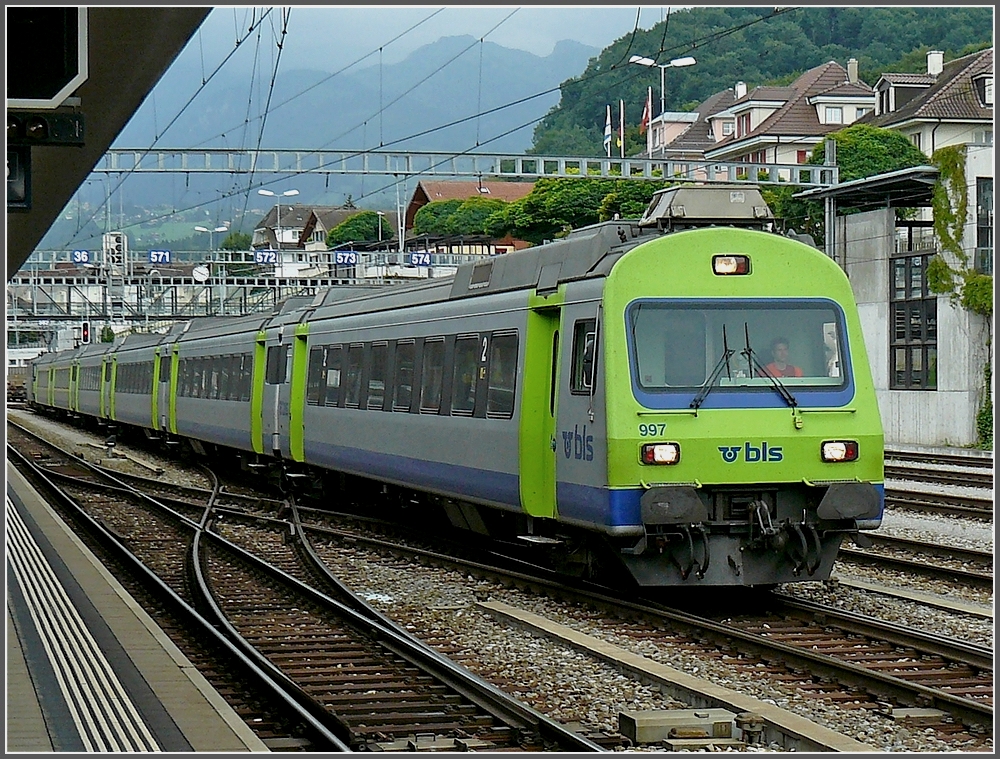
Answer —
159 256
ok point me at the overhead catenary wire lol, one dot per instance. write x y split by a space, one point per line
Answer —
182 110
479 114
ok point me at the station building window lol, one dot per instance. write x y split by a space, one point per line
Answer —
912 323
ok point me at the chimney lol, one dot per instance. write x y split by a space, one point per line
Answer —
741 89
852 71
935 62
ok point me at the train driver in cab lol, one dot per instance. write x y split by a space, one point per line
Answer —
779 366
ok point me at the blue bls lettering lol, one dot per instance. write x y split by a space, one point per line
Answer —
578 444
751 453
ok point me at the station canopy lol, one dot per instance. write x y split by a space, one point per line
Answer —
906 188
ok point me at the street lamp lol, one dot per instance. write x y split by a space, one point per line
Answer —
285 194
675 63
211 245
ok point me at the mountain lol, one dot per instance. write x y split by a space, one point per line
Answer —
451 79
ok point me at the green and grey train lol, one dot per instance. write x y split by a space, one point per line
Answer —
604 395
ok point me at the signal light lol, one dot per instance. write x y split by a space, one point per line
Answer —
731 264
25 128
660 453
85 333
837 451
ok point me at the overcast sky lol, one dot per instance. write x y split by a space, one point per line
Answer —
329 38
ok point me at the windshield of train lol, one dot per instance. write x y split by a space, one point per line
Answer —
680 346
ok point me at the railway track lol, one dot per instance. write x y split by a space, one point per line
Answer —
820 646
368 685
252 693
972 478
937 503
873 682
978 459
960 565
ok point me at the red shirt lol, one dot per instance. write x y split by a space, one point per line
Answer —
790 371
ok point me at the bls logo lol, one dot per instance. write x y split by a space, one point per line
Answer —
578 445
751 453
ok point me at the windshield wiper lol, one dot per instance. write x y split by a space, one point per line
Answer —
710 382
753 363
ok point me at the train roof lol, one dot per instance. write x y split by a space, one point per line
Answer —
587 252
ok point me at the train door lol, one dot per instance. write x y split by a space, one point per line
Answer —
162 361
105 387
74 386
537 445
580 420
275 400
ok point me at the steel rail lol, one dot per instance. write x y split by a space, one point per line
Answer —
884 685
471 686
936 571
388 636
974 655
178 606
931 549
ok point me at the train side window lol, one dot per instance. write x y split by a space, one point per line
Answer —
403 385
502 375
225 378
431 376
466 366
333 362
314 377
584 356
376 376
214 377
246 376
165 368
352 376
107 372
196 381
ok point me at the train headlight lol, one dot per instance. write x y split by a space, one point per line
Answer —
835 451
660 453
731 264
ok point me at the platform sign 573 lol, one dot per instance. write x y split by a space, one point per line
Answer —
159 256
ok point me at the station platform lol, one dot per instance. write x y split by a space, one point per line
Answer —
87 669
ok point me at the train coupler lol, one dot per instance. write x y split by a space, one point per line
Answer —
805 542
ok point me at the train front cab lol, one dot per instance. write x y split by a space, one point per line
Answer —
719 475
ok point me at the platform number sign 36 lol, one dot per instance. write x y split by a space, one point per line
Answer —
81 256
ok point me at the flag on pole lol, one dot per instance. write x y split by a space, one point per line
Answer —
621 128
647 116
647 111
607 134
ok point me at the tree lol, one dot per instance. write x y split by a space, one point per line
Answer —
456 217
862 151
236 241
761 46
951 272
555 206
432 219
362 227
107 334
865 151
